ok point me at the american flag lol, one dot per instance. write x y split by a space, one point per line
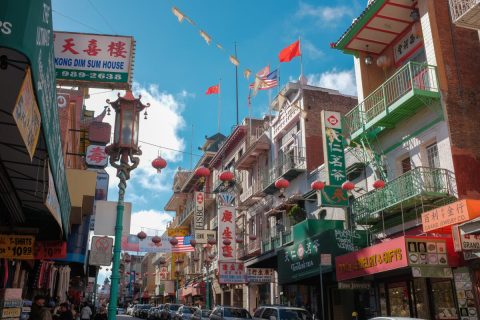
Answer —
183 245
266 82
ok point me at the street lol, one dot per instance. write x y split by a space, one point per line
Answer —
125 317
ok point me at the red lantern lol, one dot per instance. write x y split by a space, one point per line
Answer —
193 242
227 242
348 186
196 259
252 237
141 235
159 163
281 183
173 241
211 256
178 261
211 241
379 184
226 176
162 260
317 185
127 260
156 239
239 239
202 172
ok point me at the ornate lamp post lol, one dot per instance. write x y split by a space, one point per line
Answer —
122 154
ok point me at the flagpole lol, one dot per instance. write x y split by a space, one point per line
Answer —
236 80
249 117
301 59
219 103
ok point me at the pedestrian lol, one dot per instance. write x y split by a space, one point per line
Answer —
65 312
86 312
37 306
101 315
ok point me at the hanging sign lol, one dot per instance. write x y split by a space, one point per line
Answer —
333 196
450 214
146 245
101 251
333 152
406 45
50 250
226 233
231 273
52 202
164 273
27 115
103 61
260 275
17 247
201 236
199 210
96 156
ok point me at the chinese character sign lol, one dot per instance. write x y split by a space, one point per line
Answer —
164 275
231 272
403 48
96 156
98 59
260 275
226 232
199 210
333 152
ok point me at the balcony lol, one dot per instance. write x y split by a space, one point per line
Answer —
250 249
257 144
220 185
421 186
289 166
250 195
466 13
277 241
214 223
398 98
187 212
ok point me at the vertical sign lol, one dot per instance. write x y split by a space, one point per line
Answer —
333 148
199 210
226 234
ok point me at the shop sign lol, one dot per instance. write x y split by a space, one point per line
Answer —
333 196
226 232
260 275
463 241
348 240
96 156
352 285
199 210
27 115
427 251
231 273
431 272
465 293
333 148
51 202
385 256
471 255
298 261
10 313
405 46
101 251
106 217
164 273
17 247
454 213
101 187
325 259
63 99
102 61
90 284
147 245
201 236
45 250
31 34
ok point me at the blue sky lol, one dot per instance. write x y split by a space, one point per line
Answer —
174 66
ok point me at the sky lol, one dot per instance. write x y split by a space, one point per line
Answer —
174 66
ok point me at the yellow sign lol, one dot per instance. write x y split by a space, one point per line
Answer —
27 115
177 232
11 312
17 247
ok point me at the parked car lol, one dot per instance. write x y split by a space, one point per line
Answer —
169 311
135 310
130 310
151 313
201 314
282 313
184 313
158 312
120 311
229 313
142 311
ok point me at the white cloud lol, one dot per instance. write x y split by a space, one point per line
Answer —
343 81
151 221
161 128
325 14
310 50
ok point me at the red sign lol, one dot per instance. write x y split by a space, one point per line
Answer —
226 233
50 250
385 256
231 272
96 156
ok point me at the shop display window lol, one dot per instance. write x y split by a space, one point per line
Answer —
383 299
421 298
443 300
398 299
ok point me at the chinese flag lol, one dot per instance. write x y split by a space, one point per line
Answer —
290 52
213 89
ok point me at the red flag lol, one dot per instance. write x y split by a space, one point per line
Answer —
213 89
290 52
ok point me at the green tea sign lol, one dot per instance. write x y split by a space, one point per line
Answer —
299 261
333 148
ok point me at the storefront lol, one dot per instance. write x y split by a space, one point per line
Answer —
411 276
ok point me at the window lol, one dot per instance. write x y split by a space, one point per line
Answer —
268 313
258 313
406 164
432 156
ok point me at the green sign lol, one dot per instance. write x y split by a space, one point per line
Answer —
302 259
334 196
92 75
30 32
333 148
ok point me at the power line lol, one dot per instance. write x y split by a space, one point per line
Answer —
171 149
102 16
77 21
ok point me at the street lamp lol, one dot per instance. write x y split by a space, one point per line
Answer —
122 152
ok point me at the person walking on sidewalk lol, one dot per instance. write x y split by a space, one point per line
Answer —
86 312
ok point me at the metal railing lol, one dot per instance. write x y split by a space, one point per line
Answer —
187 211
418 181
296 159
218 182
412 76
460 7
276 241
